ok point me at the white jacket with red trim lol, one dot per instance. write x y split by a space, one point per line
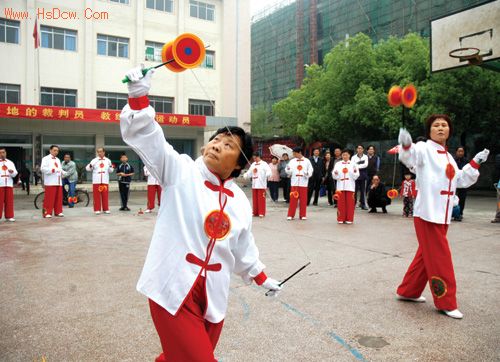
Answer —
438 177
101 168
6 177
258 172
52 171
346 173
151 178
300 170
187 230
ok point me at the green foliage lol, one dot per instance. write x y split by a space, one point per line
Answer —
346 98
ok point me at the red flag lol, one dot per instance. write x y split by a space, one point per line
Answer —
35 35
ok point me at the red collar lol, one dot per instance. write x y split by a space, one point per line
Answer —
219 188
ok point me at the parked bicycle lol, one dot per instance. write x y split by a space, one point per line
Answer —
82 199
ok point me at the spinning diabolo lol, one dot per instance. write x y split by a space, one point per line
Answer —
187 51
406 96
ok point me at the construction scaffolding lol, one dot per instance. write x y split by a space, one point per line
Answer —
291 35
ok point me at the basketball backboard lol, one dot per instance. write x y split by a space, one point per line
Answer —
476 27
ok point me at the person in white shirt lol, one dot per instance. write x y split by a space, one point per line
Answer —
154 188
258 172
52 171
438 178
361 162
203 236
345 172
101 167
7 173
300 170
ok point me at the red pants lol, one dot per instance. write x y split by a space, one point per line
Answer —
187 336
52 200
259 202
433 264
345 206
101 196
152 191
7 202
298 194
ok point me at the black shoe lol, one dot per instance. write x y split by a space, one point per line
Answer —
121 209
364 208
126 208
372 211
315 204
384 210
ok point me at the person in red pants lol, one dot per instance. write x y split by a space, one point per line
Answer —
258 172
7 173
438 178
52 171
300 169
345 172
101 167
154 189
201 238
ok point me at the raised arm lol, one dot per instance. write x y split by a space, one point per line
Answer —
141 132
409 153
469 174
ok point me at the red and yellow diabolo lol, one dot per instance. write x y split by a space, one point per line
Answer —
185 52
406 96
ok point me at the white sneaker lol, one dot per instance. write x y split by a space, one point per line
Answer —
147 211
11 219
340 222
289 218
303 218
48 216
60 215
261 216
97 212
420 299
107 212
348 222
454 313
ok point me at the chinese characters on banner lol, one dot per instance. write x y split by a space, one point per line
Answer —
91 115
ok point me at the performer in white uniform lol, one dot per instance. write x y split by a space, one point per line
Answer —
101 167
300 169
154 188
346 172
7 173
259 172
52 171
203 236
437 179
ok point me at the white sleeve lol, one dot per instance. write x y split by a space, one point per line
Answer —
44 167
364 164
336 168
141 132
467 176
90 165
309 169
355 172
110 167
247 264
288 169
248 174
146 172
13 167
268 170
412 157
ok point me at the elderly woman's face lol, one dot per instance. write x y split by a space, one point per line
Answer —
440 131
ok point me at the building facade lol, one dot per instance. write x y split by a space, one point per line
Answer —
292 34
68 91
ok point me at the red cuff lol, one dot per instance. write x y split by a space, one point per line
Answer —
406 148
474 164
53 170
260 278
138 103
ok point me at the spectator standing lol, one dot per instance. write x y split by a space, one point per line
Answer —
24 177
124 173
70 179
37 174
461 161
337 153
361 162
285 178
316 178
373 165
328 177
274 180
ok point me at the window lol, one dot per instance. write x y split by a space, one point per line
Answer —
162 5
209 60
120 1
58 38
9 31
205 108
10 93
58 97
112 46
162 104
107 100
153 51
201 10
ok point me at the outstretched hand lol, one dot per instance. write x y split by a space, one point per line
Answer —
482 156
139 84
404 137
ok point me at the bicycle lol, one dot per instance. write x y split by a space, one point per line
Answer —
82 199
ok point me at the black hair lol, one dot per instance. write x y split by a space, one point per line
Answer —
360 145
347 150
297 149
430 121
101 148
67 154
52 146
274 157
367 148
256 154
3 148
246 149
123 154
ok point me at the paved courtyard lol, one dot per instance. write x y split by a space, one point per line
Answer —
68 289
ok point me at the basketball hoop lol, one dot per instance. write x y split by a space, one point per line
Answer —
467 54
